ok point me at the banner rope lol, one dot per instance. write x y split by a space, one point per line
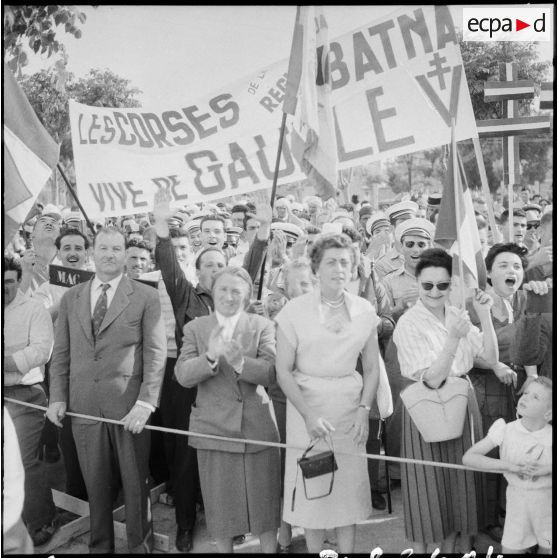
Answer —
260 442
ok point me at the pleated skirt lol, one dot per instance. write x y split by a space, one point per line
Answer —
241 491
439 501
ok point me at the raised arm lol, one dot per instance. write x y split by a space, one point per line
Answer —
255 256
178 287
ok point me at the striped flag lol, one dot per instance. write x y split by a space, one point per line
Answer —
307 97
30 155
448 221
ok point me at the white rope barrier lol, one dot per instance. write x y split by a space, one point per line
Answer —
259 442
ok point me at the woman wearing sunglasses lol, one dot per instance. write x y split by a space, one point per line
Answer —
435 340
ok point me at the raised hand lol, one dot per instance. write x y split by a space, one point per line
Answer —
458 323
264 213
161 205
28 260
482 302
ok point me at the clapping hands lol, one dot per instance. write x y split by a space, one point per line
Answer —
230 350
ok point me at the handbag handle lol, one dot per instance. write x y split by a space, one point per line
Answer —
314 442
309 448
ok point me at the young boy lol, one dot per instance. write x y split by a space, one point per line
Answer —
526 462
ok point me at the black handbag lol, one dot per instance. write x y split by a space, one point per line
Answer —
316 465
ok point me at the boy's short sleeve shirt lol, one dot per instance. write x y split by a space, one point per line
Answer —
517 444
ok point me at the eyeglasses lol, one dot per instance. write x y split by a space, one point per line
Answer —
532 226
442 286
411 244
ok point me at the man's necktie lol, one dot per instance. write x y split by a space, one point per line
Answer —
100 310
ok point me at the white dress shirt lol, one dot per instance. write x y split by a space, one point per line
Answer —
96 290
228 323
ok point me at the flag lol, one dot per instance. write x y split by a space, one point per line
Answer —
30 155
307 97
449 220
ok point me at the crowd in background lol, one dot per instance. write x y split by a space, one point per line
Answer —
352 299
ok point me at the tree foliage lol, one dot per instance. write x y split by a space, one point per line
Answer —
101 88
38 27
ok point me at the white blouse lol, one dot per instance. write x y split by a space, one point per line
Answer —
420 338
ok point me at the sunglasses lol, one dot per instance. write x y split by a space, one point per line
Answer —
411 244
532 226
442 286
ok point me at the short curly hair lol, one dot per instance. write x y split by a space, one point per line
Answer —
326 241
434 257
520 251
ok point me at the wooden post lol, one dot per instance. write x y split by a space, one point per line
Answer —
508 72
273 191
456 185
486 191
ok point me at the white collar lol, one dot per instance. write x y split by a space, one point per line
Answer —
230 321
96 283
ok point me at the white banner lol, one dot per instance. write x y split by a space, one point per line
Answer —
395 83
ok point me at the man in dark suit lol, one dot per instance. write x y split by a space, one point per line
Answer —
108 360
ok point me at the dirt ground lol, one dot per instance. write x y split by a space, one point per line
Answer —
382 530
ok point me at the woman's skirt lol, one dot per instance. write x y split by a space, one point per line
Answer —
337 400
241 491
439 501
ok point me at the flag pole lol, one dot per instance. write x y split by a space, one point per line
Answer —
486 191
510 208
273 192
456 183
74 195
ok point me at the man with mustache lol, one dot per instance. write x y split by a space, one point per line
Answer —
72 246
71 251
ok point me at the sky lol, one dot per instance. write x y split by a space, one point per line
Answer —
177 54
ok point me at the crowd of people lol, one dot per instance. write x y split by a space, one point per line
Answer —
302 324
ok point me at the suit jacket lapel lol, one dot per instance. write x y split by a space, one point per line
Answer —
119 302
84 309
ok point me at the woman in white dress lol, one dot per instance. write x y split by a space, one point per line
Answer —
319 338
